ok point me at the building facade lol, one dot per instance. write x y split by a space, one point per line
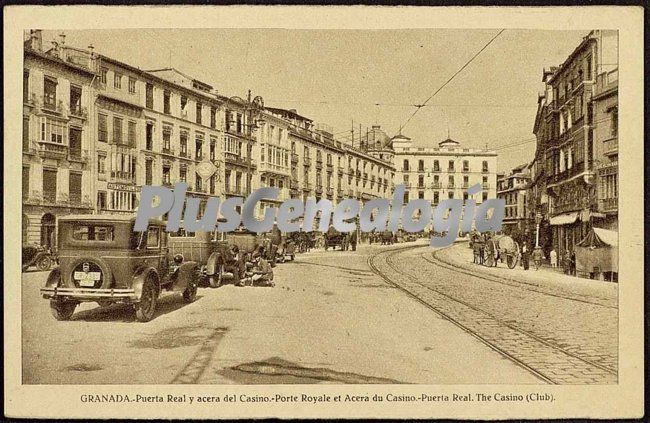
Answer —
57 177
513 189
443 172
577 136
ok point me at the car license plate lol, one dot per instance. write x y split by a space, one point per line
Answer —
87 279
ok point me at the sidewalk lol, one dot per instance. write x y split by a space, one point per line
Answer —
461 255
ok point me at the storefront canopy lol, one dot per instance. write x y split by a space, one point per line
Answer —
598 238
564 219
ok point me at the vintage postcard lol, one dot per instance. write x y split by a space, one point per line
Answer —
414 212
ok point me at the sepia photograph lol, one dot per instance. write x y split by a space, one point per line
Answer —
410 133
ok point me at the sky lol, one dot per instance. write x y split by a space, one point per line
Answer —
337 77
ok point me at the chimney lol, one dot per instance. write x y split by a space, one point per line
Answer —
293 111
91 49
62 38
36 39
376 127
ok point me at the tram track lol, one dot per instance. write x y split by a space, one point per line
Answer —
548 362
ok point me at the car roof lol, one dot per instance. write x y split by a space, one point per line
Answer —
105 218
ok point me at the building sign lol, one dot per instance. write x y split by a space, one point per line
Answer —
206 169
122 187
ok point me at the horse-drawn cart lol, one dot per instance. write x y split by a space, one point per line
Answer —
501 248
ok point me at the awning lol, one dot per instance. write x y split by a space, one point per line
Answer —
607 236
564 219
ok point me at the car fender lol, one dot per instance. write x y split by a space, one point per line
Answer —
54 278
140 276
184 275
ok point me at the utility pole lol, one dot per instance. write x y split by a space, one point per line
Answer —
352 133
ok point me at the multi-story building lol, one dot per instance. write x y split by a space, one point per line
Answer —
446 171
57 173
572 137
513 189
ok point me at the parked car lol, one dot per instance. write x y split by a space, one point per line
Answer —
37 255
333 238
102 259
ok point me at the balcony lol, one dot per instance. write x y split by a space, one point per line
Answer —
52 150
608 205
293 184
78 111
52 106
485 185
265 167
80 156
237 191
420 186
330 168
168 151
232 158
610 147
319 189
340 170
306 161
561 176
365 176
350 193
351 171
294 158
319 164
451 186
121 176
306 186
184 154
358 174
435 185
330 191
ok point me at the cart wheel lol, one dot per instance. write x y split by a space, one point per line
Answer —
489 259
62 310
189 295
44 263
216 281
511 260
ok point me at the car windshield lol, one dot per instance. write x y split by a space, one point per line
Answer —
92 232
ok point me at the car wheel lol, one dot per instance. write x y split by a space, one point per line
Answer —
62 310
44 263
216 280
145 309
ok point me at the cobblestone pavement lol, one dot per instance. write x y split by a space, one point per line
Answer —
562 339
329 319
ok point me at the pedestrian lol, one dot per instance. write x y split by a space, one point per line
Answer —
262 273
353 240
524 256
553 256
572 263
537 257
344 242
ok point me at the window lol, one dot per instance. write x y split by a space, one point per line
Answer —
183 105
102 128
153 237
148 172
450 168
149 136
149 95
213 149
614 123
101 164
183 174
166 102
465 165
117 130
74 187
485 166
92 232
132 132
75 100
199 183
53 131
436 166
485 182
49 93
436 197
49 185
183 144
421 165
421 181
406 166
213 117
167 134
465 181
131 85
26 133
102 75
484 196
199 149
451 181
450 194
26 86
199 112
166 175
101 200
421 195
117 81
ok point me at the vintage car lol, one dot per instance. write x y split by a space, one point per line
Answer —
102 259
333 238
37 255
212 252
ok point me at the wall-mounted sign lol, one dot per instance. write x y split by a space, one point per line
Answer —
122 187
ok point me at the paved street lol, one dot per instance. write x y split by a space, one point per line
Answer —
329 319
